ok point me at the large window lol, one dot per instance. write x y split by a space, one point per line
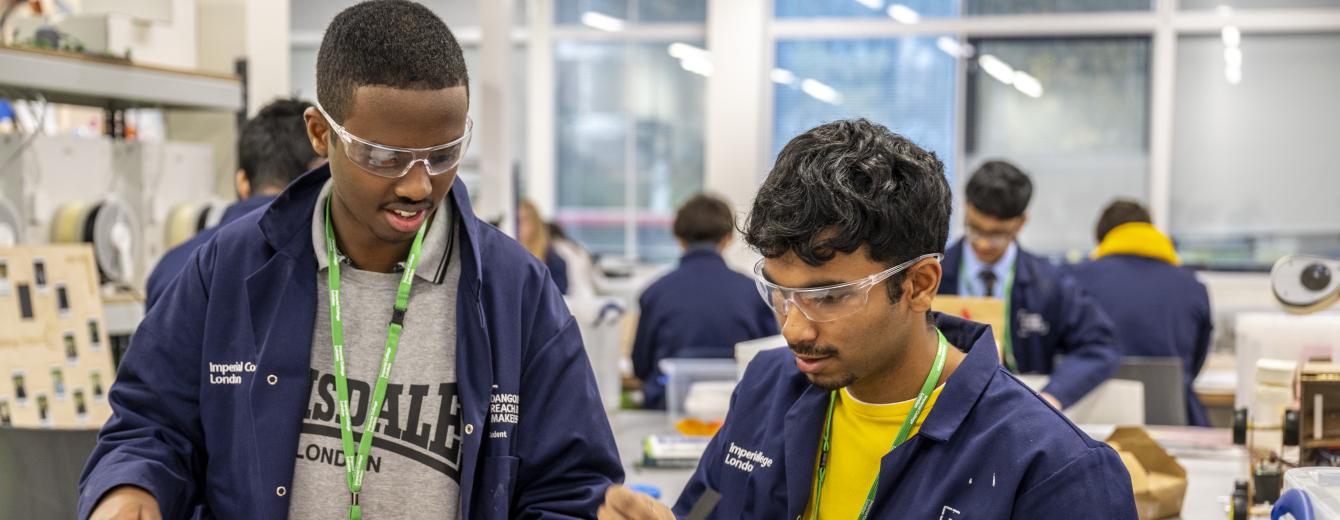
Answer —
911 11
1073 113
1270 4
907 84
629 133
1254 173
574 12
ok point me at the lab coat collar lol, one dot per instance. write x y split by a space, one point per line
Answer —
287 223
804 424
244 206
968 381
700 254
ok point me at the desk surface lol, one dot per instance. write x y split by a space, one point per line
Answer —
630 427
1212 464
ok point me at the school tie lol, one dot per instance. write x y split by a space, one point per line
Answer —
989 281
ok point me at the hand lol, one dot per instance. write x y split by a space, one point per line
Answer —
1056 403
622 503
127 503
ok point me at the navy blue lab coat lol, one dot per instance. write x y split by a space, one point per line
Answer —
558 269
701 309
1050 316
174 259
248 295
1161 310
989 448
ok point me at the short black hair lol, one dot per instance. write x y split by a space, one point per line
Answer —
703 219
1000 190
847 184
272 148
393 43
1120 211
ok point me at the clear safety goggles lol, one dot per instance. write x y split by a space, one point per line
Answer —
829 303
996 238
392 162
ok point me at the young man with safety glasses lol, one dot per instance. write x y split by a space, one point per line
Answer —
366 345
879 408
1048 314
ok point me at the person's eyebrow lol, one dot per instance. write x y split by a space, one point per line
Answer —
814 284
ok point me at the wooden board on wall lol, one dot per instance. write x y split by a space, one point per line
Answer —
55 356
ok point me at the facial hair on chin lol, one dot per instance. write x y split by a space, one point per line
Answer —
831 384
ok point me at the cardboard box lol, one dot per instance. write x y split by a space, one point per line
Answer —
990 311
1159 482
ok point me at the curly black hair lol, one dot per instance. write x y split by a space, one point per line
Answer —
1000 190
847 184
392 43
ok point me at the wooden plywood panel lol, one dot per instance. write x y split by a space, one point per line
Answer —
55 359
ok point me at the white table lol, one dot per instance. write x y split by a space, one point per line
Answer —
1210 472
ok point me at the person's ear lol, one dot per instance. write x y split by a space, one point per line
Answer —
318 131
923 281
725 242
1023 220
242 185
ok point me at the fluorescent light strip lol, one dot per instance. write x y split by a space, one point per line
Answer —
782 76
820 91
602 21
903 14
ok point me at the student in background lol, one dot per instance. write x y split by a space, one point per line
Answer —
1160 308
702 308
1047 313
272 150
533 233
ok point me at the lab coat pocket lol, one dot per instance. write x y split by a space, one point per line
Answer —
498 482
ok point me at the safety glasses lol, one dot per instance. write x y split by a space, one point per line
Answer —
996 238
830 303
392 162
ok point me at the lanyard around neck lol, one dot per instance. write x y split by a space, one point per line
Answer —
927 388
355 463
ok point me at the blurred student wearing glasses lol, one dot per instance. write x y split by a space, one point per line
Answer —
365 345
880 408
702 308
1047 313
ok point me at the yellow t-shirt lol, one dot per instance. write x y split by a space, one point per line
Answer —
862 435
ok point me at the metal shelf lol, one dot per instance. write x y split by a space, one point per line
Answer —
83 80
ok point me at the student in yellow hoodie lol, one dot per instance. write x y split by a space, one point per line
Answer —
1159 307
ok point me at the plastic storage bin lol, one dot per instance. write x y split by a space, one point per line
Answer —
1321 486
682 373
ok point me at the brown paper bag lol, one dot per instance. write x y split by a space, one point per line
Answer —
1158 480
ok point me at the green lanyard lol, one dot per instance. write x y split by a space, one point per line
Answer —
355 465
927 388
1007 338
